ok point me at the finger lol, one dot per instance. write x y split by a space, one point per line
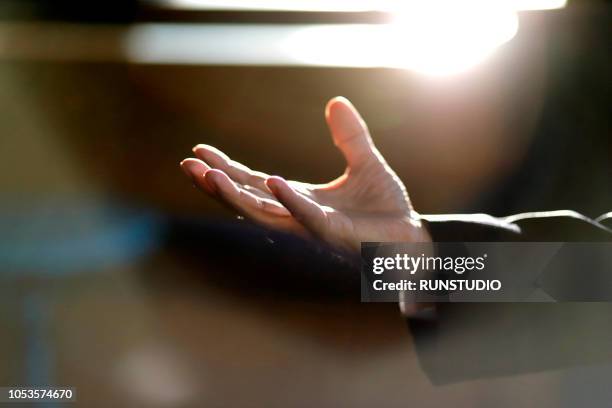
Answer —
303 209
349 132
235 170
241 200
195 169
258 192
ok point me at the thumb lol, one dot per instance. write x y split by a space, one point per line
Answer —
349 132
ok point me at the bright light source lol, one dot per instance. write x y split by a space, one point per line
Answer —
434 37
441 37
279 5
332 5
538 4
438 37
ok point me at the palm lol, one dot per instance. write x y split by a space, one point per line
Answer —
367 203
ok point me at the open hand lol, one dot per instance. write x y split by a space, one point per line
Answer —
367 203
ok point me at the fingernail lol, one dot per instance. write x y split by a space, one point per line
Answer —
186 171
198 148
272 187
271 183
211 185
344 99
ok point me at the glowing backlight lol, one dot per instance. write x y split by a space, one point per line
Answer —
435 37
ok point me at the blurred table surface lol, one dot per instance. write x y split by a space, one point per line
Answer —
122 337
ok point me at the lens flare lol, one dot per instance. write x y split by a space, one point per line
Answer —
438 37
442 37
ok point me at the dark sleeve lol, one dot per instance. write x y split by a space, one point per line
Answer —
466 341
